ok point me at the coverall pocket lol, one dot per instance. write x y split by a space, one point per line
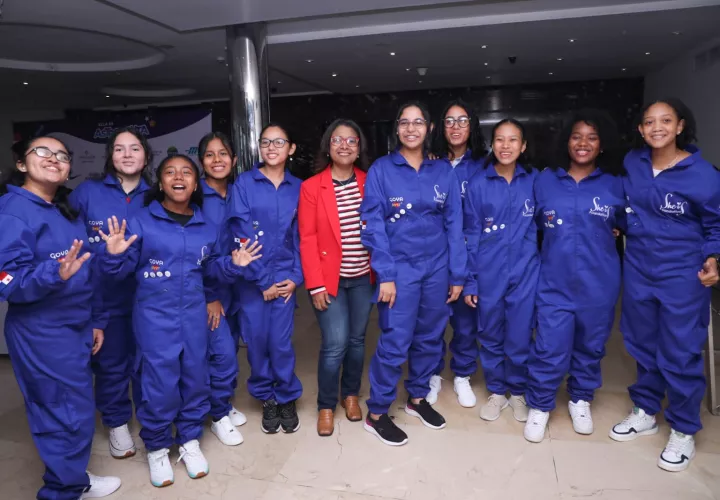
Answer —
49 409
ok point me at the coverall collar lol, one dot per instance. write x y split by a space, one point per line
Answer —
158 211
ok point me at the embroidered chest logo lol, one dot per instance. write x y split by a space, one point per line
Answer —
600 210
551 219
156 270
528 210
440 197
204 254
673 206
95 226
396 201
59 255
463 188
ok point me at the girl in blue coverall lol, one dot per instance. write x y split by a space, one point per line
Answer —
51 327
673 243
118 191
579 203
170 254
263 207
412 225
218 161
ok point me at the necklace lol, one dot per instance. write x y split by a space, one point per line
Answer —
672 163
345 182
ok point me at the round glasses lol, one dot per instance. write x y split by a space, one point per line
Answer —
462 122
278 143
405 123
350 141
44 152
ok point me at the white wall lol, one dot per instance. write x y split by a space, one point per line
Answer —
700 90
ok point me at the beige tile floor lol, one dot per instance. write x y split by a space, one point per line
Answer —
470 459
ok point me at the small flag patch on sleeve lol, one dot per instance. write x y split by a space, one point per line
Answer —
5 278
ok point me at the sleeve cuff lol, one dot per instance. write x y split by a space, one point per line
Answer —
318 290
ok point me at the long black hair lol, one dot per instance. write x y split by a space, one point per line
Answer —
395 139
155 193
610 159
523 160
476 141
685 138
323 154
15 177
109 168
227 143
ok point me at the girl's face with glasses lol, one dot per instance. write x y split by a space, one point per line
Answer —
275 147
344 146
46 162
412 128
457 126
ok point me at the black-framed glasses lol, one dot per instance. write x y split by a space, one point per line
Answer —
462 121
417 123
278 143
44 152
350 141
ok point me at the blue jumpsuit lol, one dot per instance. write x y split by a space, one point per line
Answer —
412 226
259 211
579 283
48 329
463 346
222 352
97 200
168 261
673 225
503 272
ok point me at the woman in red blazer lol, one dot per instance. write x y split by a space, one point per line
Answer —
336 266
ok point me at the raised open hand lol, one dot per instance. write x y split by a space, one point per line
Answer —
243 256
71 263
115 241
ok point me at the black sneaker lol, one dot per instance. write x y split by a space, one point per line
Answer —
386 430
289 421
425 413
271 417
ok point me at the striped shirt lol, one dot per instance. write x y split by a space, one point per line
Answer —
355 258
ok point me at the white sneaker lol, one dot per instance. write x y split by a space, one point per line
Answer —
581 417
465 394
195 462
678 453
638 423
496 403
519 407
101 486
535 425
121 442
226 432
161 473
435 386
237 417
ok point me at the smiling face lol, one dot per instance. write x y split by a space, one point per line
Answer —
508 144
45 171
128 156
584 145
178 180
412 128
660 126
344 154
217 160
456 135
274 155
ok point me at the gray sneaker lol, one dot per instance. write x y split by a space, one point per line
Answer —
519 407
496 403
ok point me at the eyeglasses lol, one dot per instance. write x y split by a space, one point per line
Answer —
404 123
44 152
278 143
462 122
350 141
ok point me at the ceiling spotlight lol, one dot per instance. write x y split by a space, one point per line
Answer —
559 58
419 81
308 60
677 33
25 83
647 53
550 73
488 77
407 69
623 69
486 64
571 40
484 47
279 83
357 86
107 96
392 53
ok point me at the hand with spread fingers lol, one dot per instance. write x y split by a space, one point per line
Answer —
71 263
244 256
115 241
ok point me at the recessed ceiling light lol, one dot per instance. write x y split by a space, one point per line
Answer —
488 77
107 96
484 47
392 53
559 58
647 53
623 69
571 40
25 83
677 32
357 86
550 73
279 83
334 75
419 81
407 69
308 60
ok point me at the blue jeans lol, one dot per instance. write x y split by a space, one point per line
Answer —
343 326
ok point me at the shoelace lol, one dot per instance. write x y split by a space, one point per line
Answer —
286 411
192 452
536 418
676 444
495 400
520 399
158 458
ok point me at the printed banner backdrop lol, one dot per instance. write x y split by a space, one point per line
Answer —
170 130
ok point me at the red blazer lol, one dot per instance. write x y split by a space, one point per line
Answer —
319 225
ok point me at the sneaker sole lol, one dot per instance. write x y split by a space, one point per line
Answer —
290 431
270 431
498 415
164 483
120 454
583 432
667 466
240 424
413 413
223 442
533 439
372 431
199 474
624 438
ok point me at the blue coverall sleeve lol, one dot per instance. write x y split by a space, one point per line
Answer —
710 217
119 267
472 227
373 235
100 316
219 268
296 275
23 281
239 221
453 214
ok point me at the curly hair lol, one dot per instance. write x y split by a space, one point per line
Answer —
685 138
